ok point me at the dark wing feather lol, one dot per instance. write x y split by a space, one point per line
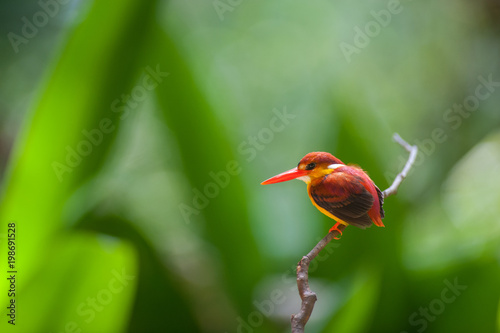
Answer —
381 201
345 197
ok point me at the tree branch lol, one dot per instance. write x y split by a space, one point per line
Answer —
413 150
308 297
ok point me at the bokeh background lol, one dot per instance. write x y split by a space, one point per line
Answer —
134 136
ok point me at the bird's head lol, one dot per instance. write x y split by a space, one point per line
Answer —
312 166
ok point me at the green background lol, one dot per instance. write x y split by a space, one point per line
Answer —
136 196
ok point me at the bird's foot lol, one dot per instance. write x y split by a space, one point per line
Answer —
336 227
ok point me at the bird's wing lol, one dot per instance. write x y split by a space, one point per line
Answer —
345 197
380 202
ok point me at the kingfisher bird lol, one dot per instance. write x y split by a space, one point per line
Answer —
342 192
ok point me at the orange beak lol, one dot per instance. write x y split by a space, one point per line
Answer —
287 175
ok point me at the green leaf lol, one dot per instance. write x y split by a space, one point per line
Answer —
54 156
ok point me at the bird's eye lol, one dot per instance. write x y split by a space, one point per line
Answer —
310 166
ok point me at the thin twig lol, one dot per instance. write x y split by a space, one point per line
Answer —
413 150
308 297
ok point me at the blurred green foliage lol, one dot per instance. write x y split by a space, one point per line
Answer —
134 136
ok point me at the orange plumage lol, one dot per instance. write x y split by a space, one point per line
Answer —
343 192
